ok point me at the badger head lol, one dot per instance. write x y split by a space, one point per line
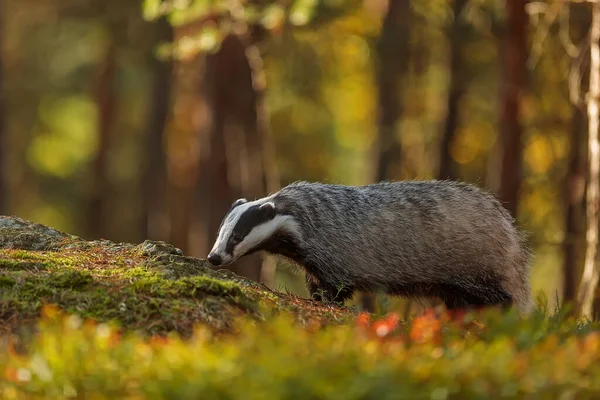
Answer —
246 226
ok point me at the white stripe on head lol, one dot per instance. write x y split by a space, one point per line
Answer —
261 232
230 221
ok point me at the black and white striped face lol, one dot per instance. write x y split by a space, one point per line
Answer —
244 228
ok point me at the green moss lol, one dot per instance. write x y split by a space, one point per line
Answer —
19 265
25 255
6 281
120 287
150 287
70 279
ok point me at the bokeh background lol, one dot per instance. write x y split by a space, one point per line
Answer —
132 120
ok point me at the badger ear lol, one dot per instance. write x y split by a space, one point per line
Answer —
268 209
238 202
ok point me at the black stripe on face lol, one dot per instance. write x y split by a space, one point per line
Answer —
252 217
235 204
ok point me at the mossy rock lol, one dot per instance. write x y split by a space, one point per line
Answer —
151 287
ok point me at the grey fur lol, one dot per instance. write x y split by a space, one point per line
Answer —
439 239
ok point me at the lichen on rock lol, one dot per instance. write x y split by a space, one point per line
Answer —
17 233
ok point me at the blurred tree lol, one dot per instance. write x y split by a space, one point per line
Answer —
154 213
514 58
457 34
188 143
235 167
272 178
574 183
393 60
573 194
3 137
589 280
105 96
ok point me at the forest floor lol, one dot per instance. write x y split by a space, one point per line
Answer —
150 287
106 320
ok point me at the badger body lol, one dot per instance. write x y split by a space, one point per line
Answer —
440 239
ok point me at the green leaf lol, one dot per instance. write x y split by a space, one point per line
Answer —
209 39
273 16
151 9
302 11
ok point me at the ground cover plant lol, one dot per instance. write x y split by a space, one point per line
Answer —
100 320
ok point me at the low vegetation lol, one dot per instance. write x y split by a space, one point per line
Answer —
99 320
428 357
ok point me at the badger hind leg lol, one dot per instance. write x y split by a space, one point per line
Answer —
520 291
491 295
454 302
516 282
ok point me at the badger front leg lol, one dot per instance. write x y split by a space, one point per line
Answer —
328 293
313 288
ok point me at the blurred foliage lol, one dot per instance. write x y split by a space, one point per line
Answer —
429 357
215 19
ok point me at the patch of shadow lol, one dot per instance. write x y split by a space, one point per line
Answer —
70 279
23 265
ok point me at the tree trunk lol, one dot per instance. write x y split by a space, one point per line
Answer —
574 191
393 58
393 52
515 79
272 180
235 166
105 102
154 211
192 123
589 280
456 34
3 186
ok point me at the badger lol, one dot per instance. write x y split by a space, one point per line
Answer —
417 239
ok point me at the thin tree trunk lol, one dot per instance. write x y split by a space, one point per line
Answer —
234 168
272 180
181 210
259 84
3 186
447 168
515 77
154 213
188 176
212 184
105 101
574 191
393 60
393 57
589 280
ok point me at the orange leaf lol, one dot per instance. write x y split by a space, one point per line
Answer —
363 319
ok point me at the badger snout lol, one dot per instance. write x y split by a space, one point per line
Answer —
215 259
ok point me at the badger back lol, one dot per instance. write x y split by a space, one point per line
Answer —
417 229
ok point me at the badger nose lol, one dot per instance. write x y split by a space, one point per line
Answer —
215 259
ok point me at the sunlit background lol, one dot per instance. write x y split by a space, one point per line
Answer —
105 137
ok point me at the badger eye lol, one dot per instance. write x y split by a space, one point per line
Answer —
236 237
